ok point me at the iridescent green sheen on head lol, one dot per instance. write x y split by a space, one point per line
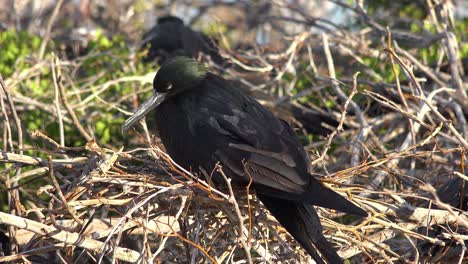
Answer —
178 74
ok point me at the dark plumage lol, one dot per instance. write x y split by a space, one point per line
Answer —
203 120
170 37
455 193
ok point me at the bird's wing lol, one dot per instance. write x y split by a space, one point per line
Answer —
274 160
254 140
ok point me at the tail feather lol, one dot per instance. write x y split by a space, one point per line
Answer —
322 196
302 222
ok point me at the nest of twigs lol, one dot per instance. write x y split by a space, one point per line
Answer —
398 151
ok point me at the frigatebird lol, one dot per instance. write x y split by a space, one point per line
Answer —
204 121
170 37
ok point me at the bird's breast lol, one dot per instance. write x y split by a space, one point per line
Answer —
176 130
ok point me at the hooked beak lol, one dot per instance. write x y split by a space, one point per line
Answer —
155 100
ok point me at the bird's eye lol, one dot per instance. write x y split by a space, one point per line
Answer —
169 86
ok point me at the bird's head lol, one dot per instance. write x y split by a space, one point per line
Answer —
177 75
170 19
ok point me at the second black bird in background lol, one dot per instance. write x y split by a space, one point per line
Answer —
203 120
170 37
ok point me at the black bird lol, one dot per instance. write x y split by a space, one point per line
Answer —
170 37
203 120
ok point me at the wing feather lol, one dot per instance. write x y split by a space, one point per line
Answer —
254 139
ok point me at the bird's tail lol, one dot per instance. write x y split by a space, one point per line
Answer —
322 196
302 222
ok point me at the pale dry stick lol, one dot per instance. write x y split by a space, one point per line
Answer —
451 48
300 94
447 122
29 73
37 171
129 213
292 50
457 237
8 136
259 248
453 54
159 225
464 177
414 128
54 62
232 200
226 255
312 64
462 255
46 38
32 104
364 127
428 102
426 70
148 78
339 129
70 111
15 115
425 108
272 228
230 255
373 243
120 224
189 174
461 218
13 195
7 157
101 228
66 237
144 125
124 182
400 92
374 240
418 215
99 201
31 252
114 106
244 231
199 247
392 105
266 68
433 16
60 193
388 224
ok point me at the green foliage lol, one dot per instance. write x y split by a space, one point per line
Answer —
107 59
214 29
16 46
114 58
